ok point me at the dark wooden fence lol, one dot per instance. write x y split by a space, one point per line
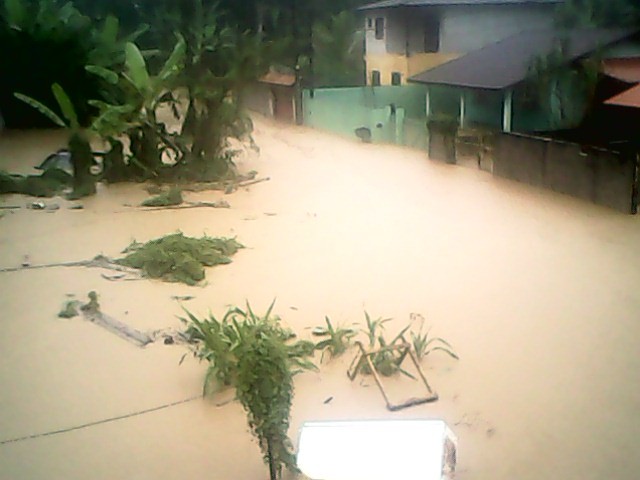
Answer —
601 176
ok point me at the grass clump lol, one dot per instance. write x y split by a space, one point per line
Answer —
338 339
386 353
423 344
177 258
169 198
50 183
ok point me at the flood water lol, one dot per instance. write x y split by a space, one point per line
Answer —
537 292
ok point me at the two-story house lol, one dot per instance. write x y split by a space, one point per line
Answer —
406 37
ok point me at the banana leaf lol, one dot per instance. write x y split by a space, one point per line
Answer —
136 68
66 106
43 109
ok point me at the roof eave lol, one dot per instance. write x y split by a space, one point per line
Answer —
453 3
462 85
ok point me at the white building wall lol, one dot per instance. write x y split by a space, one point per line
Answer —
373 45
395 26
463 28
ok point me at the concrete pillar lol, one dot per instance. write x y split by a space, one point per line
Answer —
428 102
507 111
463 110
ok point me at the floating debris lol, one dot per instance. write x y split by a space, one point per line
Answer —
69 310
176 258
170 198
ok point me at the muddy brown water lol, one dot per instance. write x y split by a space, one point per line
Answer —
537 292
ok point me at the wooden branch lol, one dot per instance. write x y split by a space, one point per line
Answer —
100 261
117 327
253 182
186 205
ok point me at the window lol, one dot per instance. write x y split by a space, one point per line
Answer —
396 78
375 78
369 22
379 28
432 36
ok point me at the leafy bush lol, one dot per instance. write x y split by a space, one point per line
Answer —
176 258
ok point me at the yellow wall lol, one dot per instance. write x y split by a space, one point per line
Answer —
416 63
420 62
386 64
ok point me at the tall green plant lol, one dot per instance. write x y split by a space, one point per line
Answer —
220 62
256 355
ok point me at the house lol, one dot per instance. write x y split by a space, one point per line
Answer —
490 84
563 141
406 37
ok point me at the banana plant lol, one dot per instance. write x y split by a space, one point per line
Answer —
143 94
108 46
79 146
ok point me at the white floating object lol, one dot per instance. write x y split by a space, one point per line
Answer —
377 450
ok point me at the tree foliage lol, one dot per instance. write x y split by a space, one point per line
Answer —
563 89
599 13
162 81
339 49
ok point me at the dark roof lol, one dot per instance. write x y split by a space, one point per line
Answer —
506 63
436 3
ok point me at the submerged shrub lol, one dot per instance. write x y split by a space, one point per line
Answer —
50 183
176 258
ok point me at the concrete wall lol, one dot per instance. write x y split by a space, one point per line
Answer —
258 98
603 177
273 101
466 28
343 110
